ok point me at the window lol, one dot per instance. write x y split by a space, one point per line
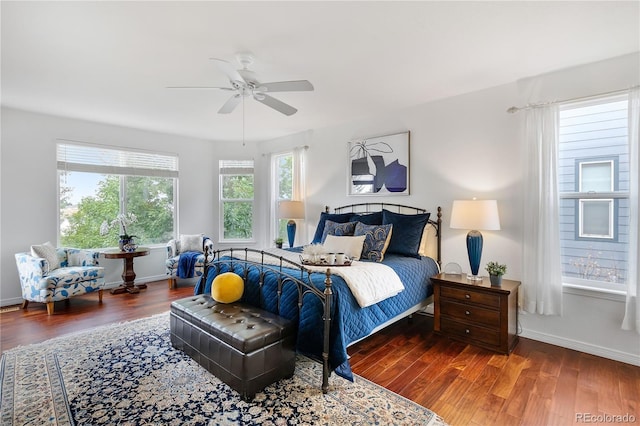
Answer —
287 183
593 172
595 216
236 200
283 183
96 183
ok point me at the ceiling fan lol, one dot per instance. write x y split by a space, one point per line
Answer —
245 83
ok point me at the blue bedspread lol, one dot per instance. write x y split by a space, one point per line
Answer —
349 322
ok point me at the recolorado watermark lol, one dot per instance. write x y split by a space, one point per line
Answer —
605 418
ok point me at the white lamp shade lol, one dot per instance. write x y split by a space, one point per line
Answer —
475 215
291 210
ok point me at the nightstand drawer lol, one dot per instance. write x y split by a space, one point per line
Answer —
472 332
471 296
471 313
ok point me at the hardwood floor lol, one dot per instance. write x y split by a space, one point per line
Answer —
538 384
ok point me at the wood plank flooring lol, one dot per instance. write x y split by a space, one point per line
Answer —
538 384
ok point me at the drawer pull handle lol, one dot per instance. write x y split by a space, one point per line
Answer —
467 313
467 296
467 331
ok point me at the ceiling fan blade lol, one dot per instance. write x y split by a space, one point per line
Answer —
276 104
249 76
200 87
230 105
228 69
287 86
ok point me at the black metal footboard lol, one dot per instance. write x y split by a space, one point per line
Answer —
263 262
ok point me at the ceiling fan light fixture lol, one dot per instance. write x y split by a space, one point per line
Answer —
245 83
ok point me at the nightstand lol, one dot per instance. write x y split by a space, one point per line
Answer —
476 312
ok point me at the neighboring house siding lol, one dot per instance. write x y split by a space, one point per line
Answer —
604 259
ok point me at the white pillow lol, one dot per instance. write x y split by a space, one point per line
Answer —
191 243
428 243
48 252
351 246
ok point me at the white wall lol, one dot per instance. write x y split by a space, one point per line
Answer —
468 146
29 191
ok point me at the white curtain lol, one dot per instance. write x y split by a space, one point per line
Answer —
632 312
542 273
299 158
299 186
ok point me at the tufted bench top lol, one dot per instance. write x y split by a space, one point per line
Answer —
240 325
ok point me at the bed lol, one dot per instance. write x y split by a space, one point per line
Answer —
320 299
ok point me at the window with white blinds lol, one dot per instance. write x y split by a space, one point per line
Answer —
97 183
593 174
118 161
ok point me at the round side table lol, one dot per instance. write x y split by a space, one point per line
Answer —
128 275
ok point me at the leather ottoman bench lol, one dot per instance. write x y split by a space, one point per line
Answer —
246 347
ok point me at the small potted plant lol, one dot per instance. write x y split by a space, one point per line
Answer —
278 242
496 271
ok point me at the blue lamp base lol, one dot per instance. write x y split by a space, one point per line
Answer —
474 249
291 232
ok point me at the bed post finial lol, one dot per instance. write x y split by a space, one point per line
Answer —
326 209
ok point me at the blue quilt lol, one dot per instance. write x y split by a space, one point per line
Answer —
349 322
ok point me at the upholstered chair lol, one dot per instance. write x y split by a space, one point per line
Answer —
185 257
50 274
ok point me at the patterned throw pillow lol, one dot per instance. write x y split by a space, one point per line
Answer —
338 229
48 252
376 240
334 217
191 243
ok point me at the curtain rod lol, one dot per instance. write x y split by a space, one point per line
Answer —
514 109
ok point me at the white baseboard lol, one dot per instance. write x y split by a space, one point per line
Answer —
107 286
13 301
615 355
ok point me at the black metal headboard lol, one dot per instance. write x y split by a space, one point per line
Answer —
398 208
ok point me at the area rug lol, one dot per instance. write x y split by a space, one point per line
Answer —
129 374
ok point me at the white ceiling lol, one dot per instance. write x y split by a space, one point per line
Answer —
111 61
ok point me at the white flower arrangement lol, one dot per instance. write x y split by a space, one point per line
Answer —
122 220
313 249
312 252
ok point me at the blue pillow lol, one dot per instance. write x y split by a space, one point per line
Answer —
338 229
368 218
407 232
335 217
376 240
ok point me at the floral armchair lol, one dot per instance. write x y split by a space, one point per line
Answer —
63 273
192 263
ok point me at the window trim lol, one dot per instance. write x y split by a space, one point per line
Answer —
594 287
611 174
581 233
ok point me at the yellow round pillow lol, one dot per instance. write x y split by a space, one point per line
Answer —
227 288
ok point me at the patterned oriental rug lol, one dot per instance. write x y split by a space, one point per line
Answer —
129 374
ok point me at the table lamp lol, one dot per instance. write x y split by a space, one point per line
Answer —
291 210
475 215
